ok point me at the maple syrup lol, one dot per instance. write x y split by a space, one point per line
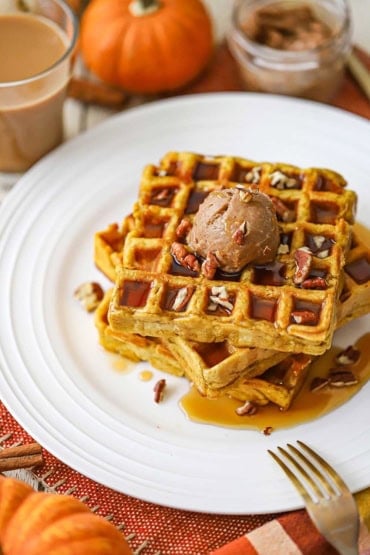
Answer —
135 293
212 353
146 375
195 200
324 213
307 406
205 172
263 309
270 274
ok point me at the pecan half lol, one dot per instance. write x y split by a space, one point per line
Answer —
314 283
342 378
89 294
183 228
318 383
303 259
348 356
209 266
158 389
240 234
247 409
304 317
184 257
282 210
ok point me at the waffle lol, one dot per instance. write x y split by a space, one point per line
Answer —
265 308
279 385
215 367
134 347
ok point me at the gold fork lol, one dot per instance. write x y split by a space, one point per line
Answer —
328 500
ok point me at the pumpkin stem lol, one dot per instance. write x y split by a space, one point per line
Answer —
143 7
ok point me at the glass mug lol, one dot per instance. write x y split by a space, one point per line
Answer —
37 44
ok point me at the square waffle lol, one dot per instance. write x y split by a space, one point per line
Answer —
133 346
265 308
215 366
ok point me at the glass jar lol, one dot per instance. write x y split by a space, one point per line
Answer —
282 60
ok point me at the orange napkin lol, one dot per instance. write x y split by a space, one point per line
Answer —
294 534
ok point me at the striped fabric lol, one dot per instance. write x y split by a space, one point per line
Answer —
292 534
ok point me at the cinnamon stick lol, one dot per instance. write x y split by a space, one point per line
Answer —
20 456
96 93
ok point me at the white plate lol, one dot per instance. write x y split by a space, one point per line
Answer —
61 386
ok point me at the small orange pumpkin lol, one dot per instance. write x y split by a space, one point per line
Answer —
35 523
146 46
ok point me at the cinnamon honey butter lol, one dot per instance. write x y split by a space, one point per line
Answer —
291 47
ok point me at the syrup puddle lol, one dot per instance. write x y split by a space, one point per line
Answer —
307 405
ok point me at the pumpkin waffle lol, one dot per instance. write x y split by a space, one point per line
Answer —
134 347
216 366
156 296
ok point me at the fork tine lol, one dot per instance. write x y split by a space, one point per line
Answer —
332 473
295 481
303 472
327 487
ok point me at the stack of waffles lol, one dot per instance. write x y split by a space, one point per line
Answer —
250 335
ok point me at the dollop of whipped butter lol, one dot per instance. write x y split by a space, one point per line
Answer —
238 225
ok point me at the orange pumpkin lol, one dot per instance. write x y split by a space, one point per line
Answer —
34 523
146 46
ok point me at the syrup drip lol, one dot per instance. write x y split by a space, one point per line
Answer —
146 375
263 309
307 406
323 184
270 274
324 213
135 293
240 173
206 172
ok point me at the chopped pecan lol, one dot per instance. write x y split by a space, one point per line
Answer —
318 383
209 266
254 175
282 181
348 356
89 294
163 194
282 210
314 283
303 259
342 378
318 241
283 249
323 254
184 257
159 390
304 317
267 431
247 409
240 234
245 196
220 297
183 228
182 298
